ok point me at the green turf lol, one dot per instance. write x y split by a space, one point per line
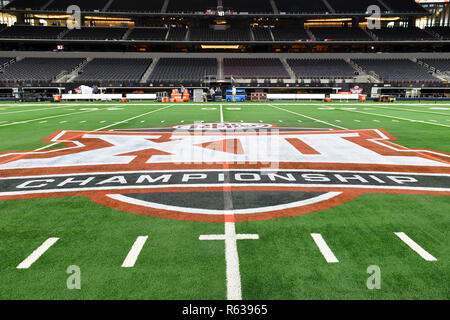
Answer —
283 264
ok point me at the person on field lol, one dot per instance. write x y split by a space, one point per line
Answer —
182 89
212 92
219 93
233 93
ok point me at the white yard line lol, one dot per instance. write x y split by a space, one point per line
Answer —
421 111
132 256
413 245
324 248
233 275
234 290
398 118
221 113
46 118
32 110
133 118
36 254
109 126
311 118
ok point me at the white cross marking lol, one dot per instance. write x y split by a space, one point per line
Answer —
234 291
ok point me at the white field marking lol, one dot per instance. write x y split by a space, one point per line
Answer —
376 121
132 256
221 114
437 108
218 185
43 121
52 117
84 121
234 290
357 104
301 203
133 118
302 115
324 248
421 111
357 120
163 121
36 254
32 110
63 121
106 127
398 118
338 121
232 170
103 121
413 245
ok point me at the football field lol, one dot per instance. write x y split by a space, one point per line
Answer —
326 252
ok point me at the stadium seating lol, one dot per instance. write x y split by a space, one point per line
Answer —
191 6
148 34
182 69
441 65
177 34
404 6
360 6
85 5
323 68
97 33
209 34
27 4
262 34
399 34
353 34
38 69
301 6
395 69
441 32
290 34
114 70
135 6
4 61
254 68
249 6
31 32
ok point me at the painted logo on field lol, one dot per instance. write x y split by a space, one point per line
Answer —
222 172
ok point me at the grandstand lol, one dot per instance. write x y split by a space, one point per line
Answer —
395 70
321 68
270 43
38 69
183 69
114 70
254 68
342 34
